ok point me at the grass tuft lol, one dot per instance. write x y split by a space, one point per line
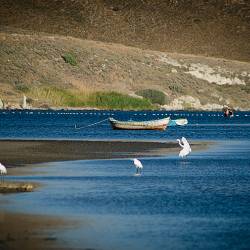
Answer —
70 58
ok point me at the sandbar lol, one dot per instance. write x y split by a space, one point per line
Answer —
22 152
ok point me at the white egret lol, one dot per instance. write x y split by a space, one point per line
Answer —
3 171
186 149
138 166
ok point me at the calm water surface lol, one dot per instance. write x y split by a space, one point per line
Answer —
60 125
202 202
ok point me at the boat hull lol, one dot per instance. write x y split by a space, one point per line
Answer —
144 125
178 122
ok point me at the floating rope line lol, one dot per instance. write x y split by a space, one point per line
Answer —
92 124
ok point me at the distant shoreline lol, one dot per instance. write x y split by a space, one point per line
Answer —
111 110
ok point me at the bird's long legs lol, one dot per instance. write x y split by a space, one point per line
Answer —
2 178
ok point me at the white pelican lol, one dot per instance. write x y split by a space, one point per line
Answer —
3 171
186 149
138 166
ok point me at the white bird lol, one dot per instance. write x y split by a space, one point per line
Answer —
138 166
186 149
3 171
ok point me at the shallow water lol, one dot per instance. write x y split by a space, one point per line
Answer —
202 202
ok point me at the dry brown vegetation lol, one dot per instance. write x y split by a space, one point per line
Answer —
219 28
30 63
38 58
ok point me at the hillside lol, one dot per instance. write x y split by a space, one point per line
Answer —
217 28
35 65
131 54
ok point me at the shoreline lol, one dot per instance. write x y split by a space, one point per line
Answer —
33 232
113 110
15 153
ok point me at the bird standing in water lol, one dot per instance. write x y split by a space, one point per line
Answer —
186 149
138 166
3 171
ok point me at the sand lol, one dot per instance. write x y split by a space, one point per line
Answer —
15 187
30 232
21 152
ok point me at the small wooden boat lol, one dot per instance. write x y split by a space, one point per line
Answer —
160 124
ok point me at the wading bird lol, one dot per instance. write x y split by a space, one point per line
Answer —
138 166
3 171
186 149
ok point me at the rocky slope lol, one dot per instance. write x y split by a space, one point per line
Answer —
29 62
195 53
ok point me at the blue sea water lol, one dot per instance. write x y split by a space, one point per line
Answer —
61 125
202 202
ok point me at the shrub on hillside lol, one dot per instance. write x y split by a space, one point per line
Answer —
114 100
70 58
21 87
155 96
